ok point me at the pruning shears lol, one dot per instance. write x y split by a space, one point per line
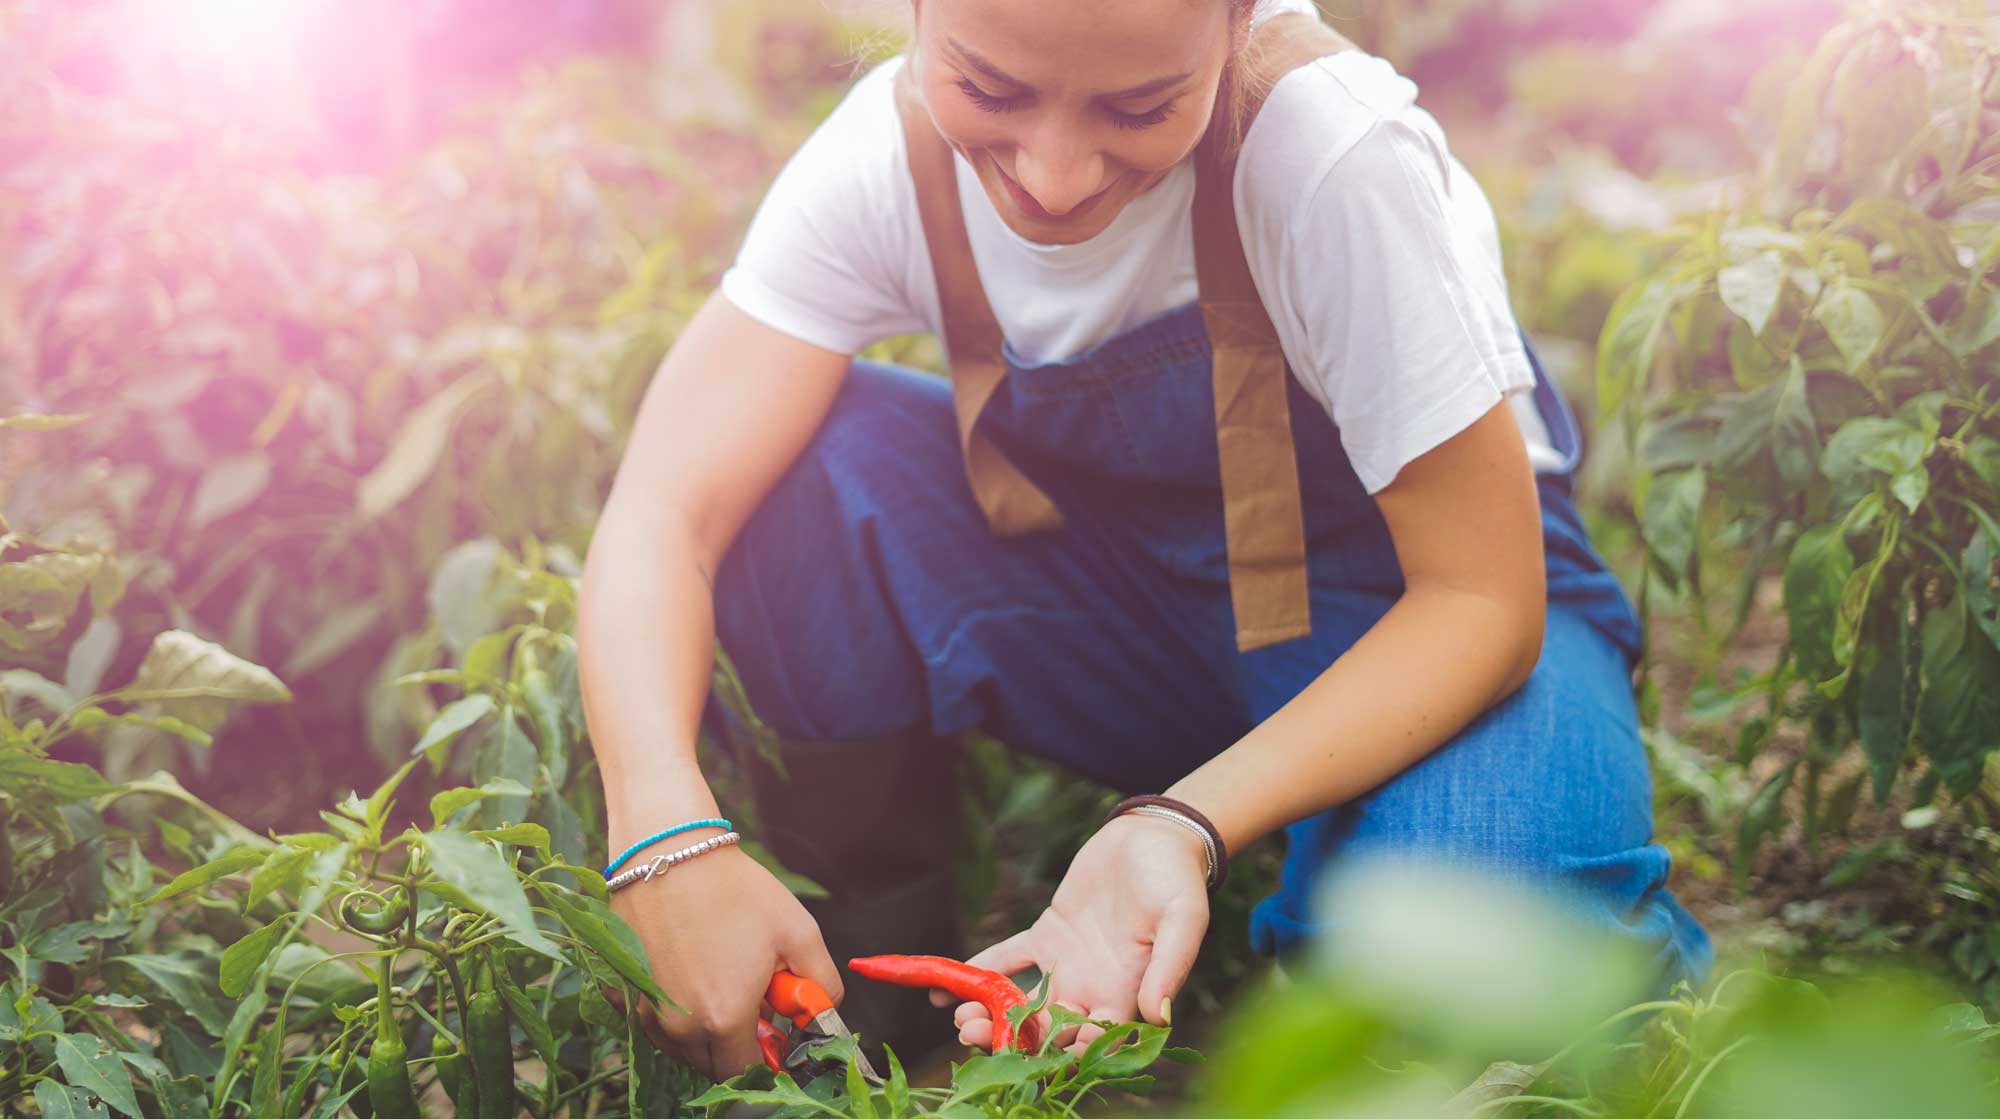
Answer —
808 1018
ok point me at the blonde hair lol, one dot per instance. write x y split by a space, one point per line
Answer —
1242 83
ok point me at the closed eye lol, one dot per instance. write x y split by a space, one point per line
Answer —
1147 119
987 101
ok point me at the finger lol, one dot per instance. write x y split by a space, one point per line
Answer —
649 1020
1065 1036
1014 954
734 1052
977 1033
1090 1032
1175 944
969 1011
804 952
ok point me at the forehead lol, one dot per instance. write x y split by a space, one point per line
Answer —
1093 44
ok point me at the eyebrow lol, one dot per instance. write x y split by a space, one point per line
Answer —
987 68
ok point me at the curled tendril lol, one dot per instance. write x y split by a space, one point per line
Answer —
371 914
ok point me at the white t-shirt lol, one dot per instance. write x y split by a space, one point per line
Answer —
1374 249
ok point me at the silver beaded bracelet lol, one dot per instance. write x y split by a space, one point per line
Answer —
1207 844
644 872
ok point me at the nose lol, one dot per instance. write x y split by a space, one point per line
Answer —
1059 167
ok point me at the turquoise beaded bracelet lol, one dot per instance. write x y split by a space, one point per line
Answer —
716 822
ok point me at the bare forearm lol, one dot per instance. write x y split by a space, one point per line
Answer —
1434 663
646 638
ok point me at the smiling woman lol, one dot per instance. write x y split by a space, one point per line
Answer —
1247 491
1061 134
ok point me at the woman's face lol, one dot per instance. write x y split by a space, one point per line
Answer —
1069 109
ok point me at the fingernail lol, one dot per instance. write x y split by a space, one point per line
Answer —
1167 1011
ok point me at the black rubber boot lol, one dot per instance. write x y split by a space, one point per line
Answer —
876 822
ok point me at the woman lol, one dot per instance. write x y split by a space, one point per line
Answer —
1353 601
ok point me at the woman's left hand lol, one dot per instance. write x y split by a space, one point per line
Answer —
1119 936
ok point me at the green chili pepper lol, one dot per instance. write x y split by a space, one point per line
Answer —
488 1036
389 1088
453 1073
383 916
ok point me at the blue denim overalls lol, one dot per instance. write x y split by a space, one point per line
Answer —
868 597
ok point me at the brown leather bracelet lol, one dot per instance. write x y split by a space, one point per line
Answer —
1182 808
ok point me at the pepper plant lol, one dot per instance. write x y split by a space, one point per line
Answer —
1810 386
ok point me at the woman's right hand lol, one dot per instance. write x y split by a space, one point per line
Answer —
716 928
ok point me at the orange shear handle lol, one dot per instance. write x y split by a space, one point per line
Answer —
797 998
771 1044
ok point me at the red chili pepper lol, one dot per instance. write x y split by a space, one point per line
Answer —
989 989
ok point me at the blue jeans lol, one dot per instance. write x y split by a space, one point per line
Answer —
866 597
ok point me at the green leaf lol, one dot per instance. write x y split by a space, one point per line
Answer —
228 484
533 1020
264 1098
377 809
198 681
83 669
1146 1044
460 593
447 803
506 754
88 1065
520 835
897 1090
1871 444
22 684
1982 575
1883 713
241 960
1774 423
605 933
1815 579
454 718
187 979
1751 289
998 1071
335 634
222 866
1958 706
860 1098
1853 321
1630 343
55 1101
62 782
285 870
1670 518
479 872
1858 863
41 421
1765 815
416 449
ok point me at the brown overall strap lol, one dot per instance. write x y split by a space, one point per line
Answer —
1263 513
1263 510
1012 503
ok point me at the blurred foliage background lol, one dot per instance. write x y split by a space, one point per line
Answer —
322 325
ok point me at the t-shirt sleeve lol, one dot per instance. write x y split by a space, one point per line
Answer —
825 257
1392 302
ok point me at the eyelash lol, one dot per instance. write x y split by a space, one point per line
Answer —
991 104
